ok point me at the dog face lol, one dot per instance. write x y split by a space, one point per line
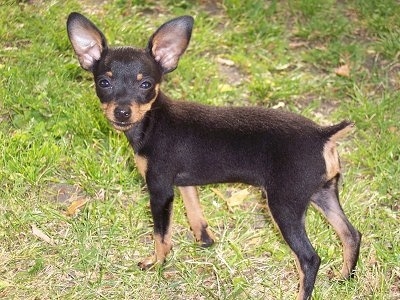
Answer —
127 79
127 84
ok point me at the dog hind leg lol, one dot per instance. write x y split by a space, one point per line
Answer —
289 217
326 200
195 216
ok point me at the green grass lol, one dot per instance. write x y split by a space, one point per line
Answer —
57 147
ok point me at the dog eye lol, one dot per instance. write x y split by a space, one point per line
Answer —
145 85
104 83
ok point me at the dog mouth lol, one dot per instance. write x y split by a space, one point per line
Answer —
121 126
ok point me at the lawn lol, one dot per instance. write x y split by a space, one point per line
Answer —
74 212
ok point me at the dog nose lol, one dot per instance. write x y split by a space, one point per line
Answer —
122 113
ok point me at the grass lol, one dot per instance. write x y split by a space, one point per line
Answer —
56 149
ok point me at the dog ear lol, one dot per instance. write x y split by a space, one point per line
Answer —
169 42
87 41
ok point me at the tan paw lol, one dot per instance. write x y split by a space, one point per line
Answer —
147 263
150 262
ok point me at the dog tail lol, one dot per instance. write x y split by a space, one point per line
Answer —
332 135
338 131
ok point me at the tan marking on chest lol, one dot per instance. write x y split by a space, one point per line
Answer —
141 164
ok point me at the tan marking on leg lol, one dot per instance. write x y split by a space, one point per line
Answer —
162 249
350 245
141 164
194 212
301 293
163 246
331 155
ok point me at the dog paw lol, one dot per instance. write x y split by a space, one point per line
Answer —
206 242
206 239
148 263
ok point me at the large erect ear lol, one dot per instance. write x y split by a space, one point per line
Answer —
169 42
87 41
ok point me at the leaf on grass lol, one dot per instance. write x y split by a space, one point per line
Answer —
343 70
226 62
279 105
297 44
282 67
223 88
320 48
219 194
41 235
75 206
4 284
255 241
235 198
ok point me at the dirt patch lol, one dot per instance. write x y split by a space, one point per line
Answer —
212 7
230 72
63 193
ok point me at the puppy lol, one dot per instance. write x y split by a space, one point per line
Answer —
184 144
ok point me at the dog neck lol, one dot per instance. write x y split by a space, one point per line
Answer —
138 136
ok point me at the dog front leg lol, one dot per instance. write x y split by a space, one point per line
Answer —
161 209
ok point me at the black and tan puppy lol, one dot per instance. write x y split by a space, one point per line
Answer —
187 144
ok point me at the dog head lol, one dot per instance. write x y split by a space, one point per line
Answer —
128 79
